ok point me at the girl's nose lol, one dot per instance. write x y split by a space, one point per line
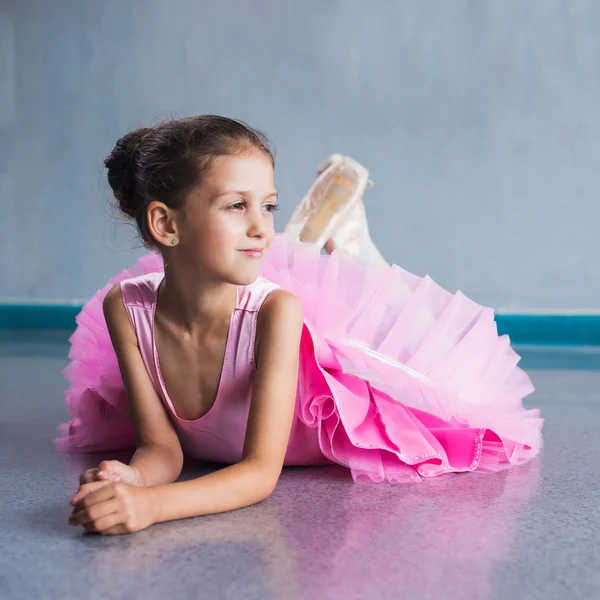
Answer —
257 223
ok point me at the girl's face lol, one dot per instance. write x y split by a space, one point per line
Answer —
230 212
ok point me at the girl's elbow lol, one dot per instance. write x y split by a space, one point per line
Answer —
267 490
269 479
173 456
265 478
177 465
178 460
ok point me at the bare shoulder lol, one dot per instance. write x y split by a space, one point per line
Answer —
113 301
282 302
281 309
280 319
117 319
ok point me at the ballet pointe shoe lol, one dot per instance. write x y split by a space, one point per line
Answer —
312 219
332 214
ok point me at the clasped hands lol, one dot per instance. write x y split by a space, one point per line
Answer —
111 501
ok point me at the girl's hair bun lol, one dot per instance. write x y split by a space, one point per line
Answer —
122 164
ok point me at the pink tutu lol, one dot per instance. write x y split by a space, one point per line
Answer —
445 392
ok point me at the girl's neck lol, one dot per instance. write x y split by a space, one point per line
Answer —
194 302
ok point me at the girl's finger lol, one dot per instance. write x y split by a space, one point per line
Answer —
115 470
87 489
93 513
116 530
89 476
91 528
108 476
109 524
104 469
102 494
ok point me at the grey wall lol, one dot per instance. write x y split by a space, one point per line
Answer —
479 121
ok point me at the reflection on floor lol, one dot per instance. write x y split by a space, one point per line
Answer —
533 532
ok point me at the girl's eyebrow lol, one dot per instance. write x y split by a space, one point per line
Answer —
241 193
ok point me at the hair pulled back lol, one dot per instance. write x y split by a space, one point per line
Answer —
167 161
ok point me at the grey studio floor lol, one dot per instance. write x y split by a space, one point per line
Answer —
533 532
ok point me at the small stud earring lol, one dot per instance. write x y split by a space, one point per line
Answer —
174 241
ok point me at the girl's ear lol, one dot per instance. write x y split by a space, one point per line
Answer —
161 223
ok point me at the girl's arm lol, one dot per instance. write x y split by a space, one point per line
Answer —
158 458
119 508
279 329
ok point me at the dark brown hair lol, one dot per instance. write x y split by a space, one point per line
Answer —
167 161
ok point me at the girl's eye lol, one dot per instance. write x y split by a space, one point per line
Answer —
239 205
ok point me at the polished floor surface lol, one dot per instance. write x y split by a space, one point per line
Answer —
530 533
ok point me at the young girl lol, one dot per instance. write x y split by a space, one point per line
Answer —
235 345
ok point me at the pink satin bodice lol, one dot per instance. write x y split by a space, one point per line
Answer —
218 436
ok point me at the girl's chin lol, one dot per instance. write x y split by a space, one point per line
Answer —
247 276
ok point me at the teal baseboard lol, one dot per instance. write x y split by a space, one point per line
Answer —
559 329
38 316
564 328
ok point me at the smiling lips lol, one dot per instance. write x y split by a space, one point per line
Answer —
253 252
